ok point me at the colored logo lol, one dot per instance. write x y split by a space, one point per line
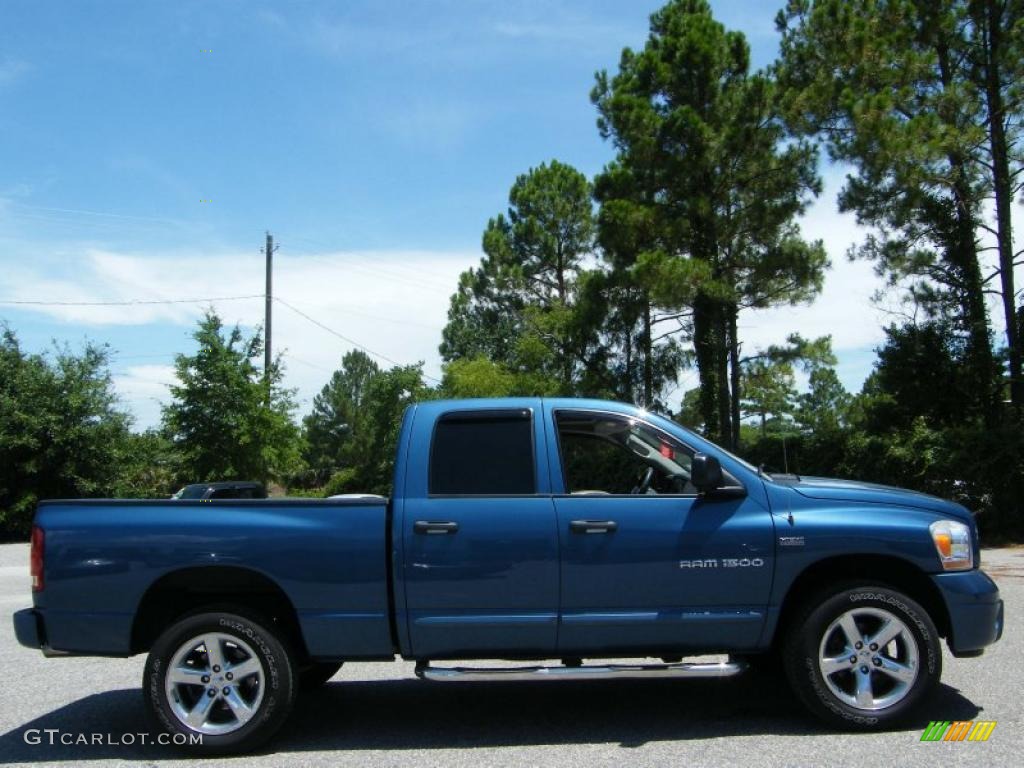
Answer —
958 730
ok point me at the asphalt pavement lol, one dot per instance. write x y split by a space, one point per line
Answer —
380 715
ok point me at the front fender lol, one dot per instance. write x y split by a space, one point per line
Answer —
813 532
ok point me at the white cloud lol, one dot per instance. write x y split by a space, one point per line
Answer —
844 310
142 389
392 302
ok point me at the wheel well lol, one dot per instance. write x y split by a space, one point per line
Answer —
890 571
193 590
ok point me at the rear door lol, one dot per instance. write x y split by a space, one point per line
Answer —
648 566
480 546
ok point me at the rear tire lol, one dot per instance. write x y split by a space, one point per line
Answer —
862 657
219 683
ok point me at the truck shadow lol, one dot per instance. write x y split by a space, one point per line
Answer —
414 715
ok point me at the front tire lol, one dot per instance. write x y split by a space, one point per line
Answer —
219 683
862 657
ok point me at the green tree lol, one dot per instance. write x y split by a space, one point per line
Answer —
769 392
888 84
699 205
61 429
337 412
903 389
149 466
484 315
768 381
1020 320
823 410
996 61
375 439
478 377
908 428
643 330
220 420
517 307
899 421
794 430
689 410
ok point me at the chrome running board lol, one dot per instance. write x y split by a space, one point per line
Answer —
634 671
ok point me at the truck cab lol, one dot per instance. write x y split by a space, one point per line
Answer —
572 528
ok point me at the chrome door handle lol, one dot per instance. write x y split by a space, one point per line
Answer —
593 526
435 527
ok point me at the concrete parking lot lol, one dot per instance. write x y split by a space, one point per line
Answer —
380 715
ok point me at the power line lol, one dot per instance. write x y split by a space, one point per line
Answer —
119 356
103 214
67 218
333 332
389 269
343 337
292 357
402 271
296 310
128 303
383 319
413 280
136 377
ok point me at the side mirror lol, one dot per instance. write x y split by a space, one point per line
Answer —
705 473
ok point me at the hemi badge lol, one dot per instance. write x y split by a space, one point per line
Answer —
791 541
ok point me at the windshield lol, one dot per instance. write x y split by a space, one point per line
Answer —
190 492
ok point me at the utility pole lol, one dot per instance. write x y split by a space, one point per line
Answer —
269 297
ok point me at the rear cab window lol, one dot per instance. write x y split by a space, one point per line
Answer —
483 453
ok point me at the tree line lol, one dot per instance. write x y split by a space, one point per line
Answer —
614 286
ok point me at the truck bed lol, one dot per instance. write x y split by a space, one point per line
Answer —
107 559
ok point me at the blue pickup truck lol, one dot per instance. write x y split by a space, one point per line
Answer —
556 533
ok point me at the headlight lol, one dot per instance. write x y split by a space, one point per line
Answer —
953 543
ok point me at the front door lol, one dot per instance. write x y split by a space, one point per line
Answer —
479 537
648 565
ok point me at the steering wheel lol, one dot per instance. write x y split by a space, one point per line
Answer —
645 482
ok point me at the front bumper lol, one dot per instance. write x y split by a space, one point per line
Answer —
28 628
975 610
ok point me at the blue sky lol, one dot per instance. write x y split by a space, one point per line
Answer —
147 146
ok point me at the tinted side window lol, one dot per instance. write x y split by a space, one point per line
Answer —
482 453
597 465
616 455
